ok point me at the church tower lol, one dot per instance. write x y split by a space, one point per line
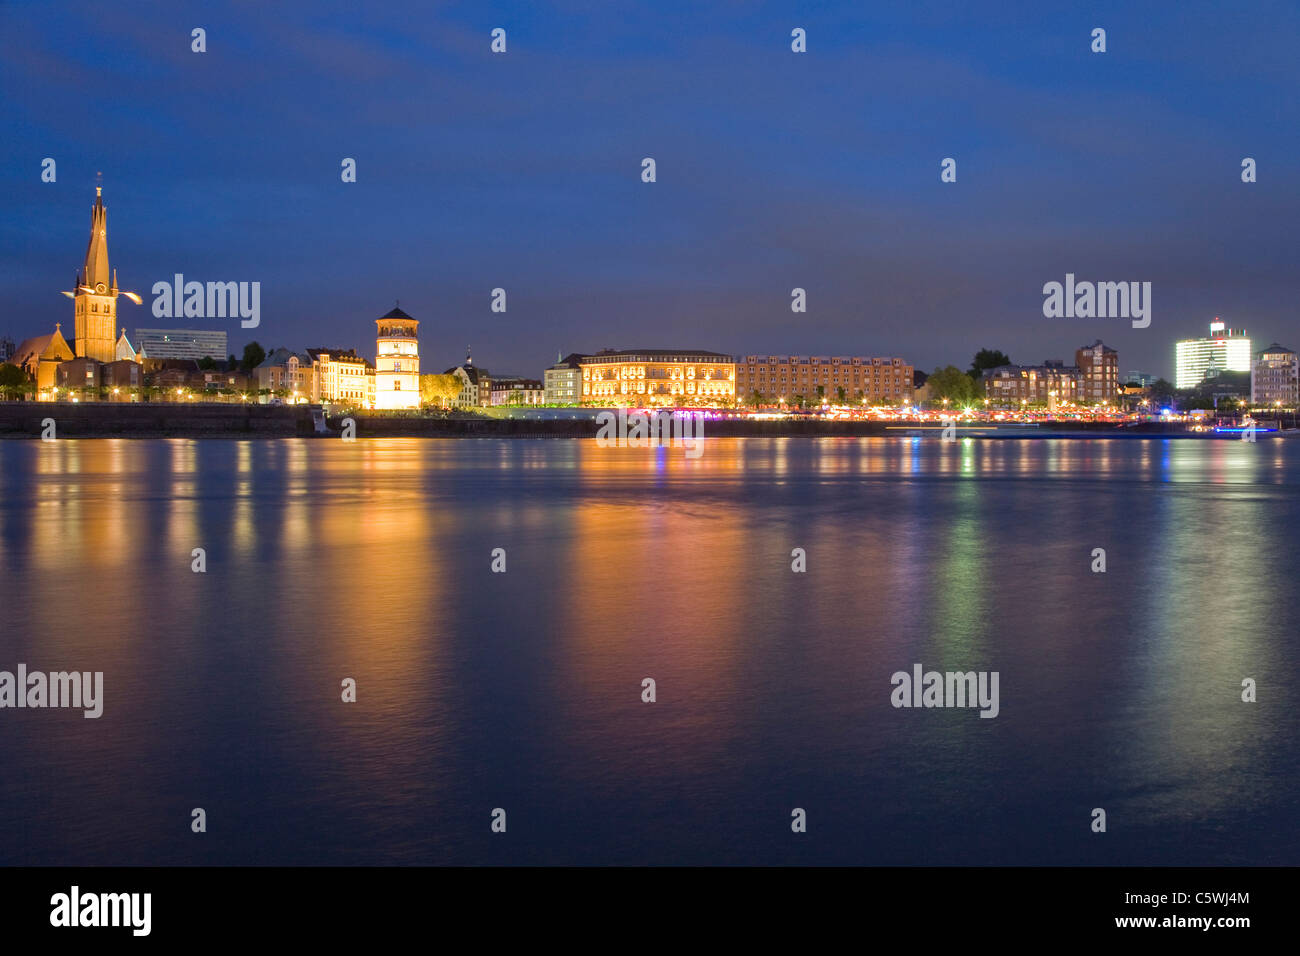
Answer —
95 296
95 329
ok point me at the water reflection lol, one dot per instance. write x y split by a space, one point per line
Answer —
372 560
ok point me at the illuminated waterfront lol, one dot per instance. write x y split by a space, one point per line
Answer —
522 690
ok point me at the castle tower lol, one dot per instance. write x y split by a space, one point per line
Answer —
397 362
95 298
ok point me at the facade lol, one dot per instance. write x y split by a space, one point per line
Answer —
287 372
1098 366
1224 350
646 377
1052 382
181 343
563 380
213 380
172 378
780 377
517 391
7 348
124 350
95 293
397 362
475 385
79 378
40 358
342 376
124 380
1275 378
1142 378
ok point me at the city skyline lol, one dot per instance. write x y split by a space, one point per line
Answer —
526 176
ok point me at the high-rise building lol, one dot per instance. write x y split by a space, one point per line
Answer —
1098 366
397 362
178 344
1275 378
645 377
95 293
777 377
1223 350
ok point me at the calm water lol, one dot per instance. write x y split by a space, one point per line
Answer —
521 690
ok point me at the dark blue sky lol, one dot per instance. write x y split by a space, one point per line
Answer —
775 170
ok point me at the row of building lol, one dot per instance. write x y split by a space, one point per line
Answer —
1094 378
101 360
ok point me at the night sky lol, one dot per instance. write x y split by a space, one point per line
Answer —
775 170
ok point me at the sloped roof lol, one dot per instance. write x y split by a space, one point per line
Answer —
281 356
572 360
37 346
397 314
472 372
315 354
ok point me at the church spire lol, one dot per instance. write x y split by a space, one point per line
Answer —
96 272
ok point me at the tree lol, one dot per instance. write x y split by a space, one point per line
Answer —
987 359
840 395
254 355
207 363
14 381
440 390
953 384
756 398
1162 392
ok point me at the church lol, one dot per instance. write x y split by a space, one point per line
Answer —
95 334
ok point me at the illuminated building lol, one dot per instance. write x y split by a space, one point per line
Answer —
286 372
644 377
517 391
95 293
124 351
1052 382
1098 367
40 358
1224 350
775 377
397 362
342 376
123 380
79 377
475 384
564 380
1275 377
